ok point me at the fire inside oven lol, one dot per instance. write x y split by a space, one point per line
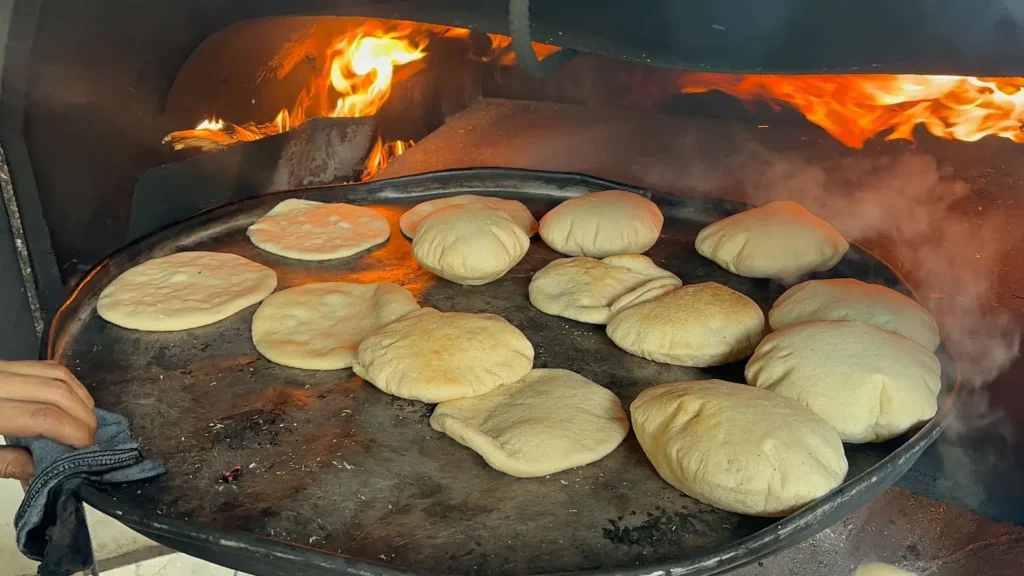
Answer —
184 148
346 68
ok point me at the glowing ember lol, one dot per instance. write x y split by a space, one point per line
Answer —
215 134
854 108
211 124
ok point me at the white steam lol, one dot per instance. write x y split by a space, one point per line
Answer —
904 208
901 206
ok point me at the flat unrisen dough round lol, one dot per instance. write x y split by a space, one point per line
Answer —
869 384
184 290
696 325
602 224
469 244
778 240
439 356
736 447
307 230
850 299
585 289
516 210
549 421
320 326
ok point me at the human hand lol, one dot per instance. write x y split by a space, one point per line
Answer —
41 398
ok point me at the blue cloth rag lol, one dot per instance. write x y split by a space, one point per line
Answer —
50 523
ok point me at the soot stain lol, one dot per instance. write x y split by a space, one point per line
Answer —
250 429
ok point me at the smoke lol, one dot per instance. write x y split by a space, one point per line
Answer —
895 200
920 219
917 216
901 205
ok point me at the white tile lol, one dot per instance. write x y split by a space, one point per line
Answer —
171 565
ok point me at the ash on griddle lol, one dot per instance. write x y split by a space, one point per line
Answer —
658 528
410 408
250 429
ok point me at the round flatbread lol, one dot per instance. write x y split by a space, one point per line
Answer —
850 299
778 240
697 325
184 290
436 356
469 244
602 224
736 447
584 289
869 384
516 210
549 421
320 326
307 230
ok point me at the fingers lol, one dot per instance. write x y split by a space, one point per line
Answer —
44 399
34 419
48 369
43 390
16 463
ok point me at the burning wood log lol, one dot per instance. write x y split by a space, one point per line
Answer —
319 151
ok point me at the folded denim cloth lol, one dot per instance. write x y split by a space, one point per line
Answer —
50 523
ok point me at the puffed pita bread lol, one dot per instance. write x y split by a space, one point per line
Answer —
696 325
851 299
436 356
602 224
585 289
516 210
736 447
469 244
319 326
780 240
869 384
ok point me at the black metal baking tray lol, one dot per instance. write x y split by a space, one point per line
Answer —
337 477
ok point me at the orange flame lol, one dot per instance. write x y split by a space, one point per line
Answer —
356 82
381 155
508 58
499 45
856 107
353 58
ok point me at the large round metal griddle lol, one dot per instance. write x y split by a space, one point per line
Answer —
337 476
